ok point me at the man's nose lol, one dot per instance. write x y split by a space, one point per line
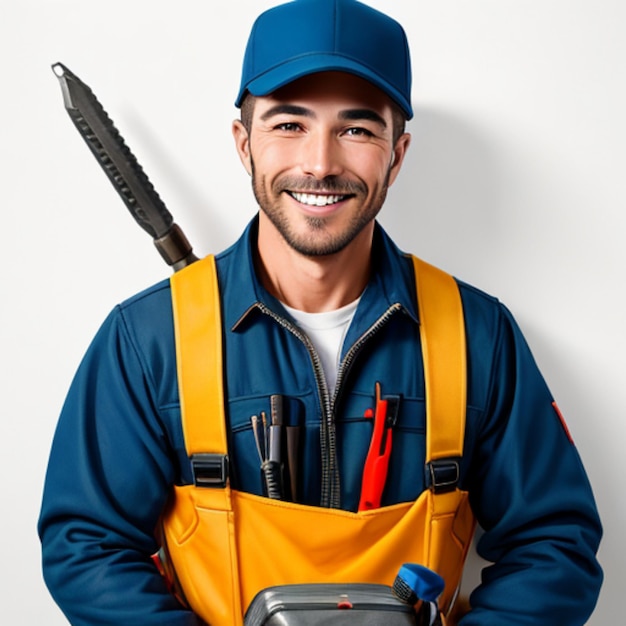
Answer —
321 155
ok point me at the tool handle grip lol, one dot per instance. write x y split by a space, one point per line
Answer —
272 473
374 479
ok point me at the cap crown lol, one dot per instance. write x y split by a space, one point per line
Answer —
302 37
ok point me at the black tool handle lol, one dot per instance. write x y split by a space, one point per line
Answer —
123 169
272 473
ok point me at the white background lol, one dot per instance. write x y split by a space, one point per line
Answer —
515 182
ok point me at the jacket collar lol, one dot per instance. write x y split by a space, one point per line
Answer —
244 296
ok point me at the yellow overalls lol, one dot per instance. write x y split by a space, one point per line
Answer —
210 531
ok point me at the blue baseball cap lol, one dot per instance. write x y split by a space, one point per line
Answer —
303 37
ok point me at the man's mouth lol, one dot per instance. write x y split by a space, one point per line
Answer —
316 199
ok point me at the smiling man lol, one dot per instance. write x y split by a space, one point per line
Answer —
266 417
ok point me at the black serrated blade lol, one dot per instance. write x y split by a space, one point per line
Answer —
122 168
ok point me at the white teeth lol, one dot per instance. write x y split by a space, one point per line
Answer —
316 200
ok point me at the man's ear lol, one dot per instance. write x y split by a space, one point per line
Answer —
399 152
242 144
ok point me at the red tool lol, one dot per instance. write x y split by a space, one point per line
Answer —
377 461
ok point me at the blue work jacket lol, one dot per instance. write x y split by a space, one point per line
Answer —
119 445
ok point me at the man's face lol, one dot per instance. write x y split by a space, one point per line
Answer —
321 156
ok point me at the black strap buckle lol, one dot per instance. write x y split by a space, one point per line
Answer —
210 470
444 475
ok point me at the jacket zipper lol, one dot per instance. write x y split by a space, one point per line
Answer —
330 488
344 368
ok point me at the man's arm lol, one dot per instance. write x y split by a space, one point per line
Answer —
108 477
532 496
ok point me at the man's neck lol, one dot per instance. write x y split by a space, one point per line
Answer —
313 284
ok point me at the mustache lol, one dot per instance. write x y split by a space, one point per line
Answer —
328 184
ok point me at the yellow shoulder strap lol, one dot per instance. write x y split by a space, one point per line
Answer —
198 329
442 331
198 332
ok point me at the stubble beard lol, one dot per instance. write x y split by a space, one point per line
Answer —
317 241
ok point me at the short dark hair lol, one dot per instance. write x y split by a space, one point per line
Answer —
398 116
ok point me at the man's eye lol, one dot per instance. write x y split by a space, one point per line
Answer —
358 132
289 127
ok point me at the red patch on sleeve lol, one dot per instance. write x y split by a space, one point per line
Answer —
563 423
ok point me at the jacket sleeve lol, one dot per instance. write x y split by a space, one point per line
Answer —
109 473
532 497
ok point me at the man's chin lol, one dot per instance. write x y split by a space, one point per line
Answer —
319 242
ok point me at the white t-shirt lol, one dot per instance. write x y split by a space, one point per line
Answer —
326 331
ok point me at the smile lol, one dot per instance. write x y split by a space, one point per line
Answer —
314 199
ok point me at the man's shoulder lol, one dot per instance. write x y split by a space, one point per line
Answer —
488 321
484 313
154 295
147 315
475 294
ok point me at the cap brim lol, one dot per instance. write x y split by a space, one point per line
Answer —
287 72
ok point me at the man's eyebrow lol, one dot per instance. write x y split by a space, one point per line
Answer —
289 109
354 115
350 115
